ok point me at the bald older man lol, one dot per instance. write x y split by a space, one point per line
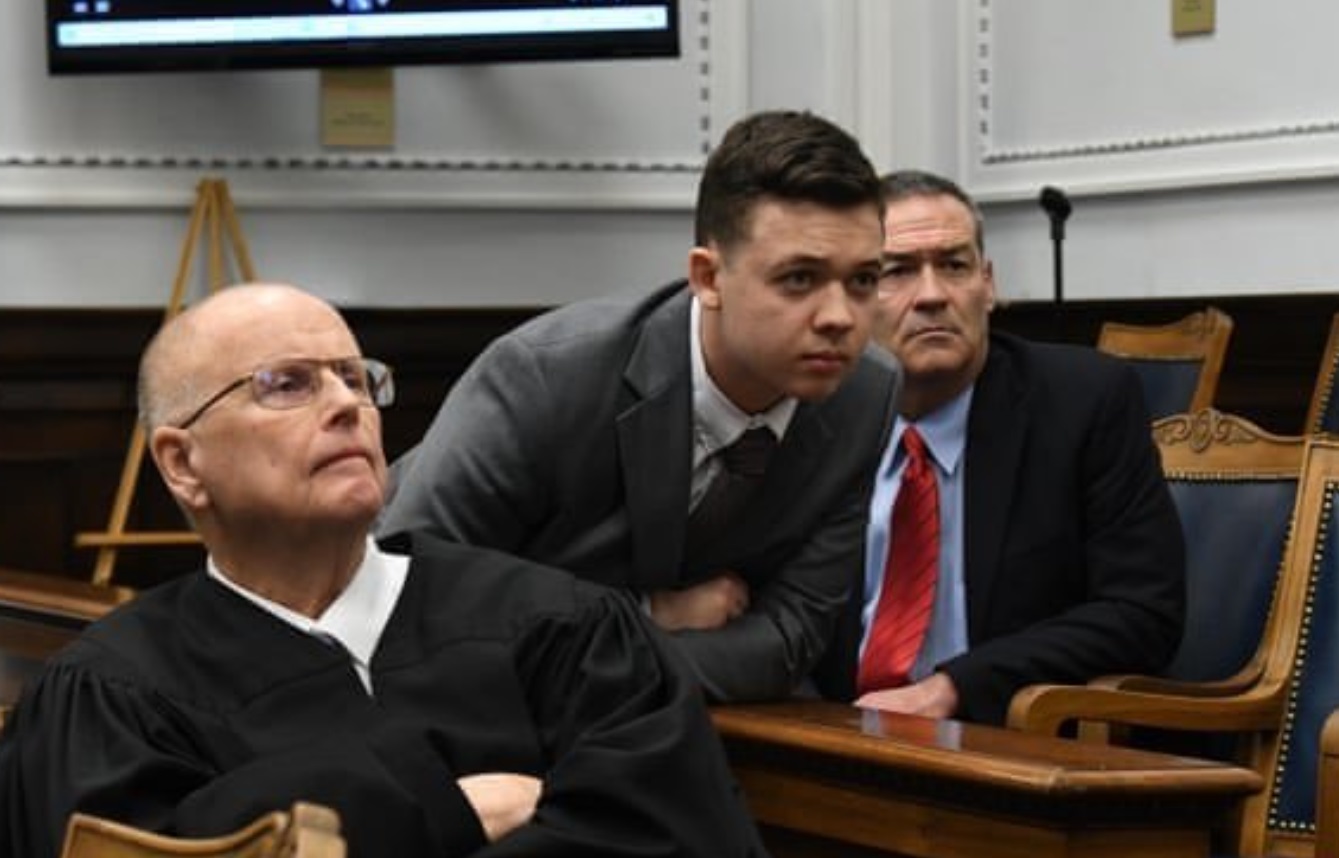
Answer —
458 702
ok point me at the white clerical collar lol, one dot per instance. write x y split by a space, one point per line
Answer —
721 421
359 614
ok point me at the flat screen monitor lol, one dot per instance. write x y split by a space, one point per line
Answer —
172 35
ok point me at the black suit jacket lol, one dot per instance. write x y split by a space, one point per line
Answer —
569 442
1073 558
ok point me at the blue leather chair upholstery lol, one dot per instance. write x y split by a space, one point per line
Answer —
1234 487
1233 523
1169 384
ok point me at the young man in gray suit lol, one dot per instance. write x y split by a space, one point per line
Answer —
709 446
1058 554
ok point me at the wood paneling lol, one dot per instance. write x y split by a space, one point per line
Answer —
1272 358
67 399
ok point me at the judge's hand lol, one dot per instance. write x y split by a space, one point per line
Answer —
708 605
502 801
934 697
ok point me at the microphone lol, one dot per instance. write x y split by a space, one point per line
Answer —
1057 207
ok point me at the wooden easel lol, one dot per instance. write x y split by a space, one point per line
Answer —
213 220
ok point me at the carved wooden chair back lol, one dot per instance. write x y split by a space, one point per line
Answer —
1178 363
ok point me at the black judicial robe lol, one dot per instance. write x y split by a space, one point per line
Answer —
191 711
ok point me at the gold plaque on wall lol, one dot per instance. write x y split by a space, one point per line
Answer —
358 108
1192 17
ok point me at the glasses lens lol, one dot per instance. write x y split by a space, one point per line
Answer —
380 383
355 375
285 385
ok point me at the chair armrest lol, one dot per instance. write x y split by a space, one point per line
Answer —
1234 685
1047 708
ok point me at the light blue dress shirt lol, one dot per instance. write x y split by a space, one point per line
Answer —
945 434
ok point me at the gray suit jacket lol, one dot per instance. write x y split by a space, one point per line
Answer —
569 442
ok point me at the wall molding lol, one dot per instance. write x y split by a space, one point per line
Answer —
1160 153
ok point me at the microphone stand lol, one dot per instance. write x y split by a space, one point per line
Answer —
1058 208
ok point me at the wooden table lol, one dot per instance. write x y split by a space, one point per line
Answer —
825 779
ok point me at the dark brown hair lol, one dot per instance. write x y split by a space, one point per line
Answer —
785 155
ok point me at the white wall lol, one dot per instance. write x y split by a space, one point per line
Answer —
1197 167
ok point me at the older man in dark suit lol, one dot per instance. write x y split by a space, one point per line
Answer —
709 446
1020 529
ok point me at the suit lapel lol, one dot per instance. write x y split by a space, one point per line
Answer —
655 443
996 429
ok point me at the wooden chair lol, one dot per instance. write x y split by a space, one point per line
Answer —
1323 414
1235 487
1275 705
1179 363
305 831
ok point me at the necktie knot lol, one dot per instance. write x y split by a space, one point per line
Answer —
742 466
750 452
914 444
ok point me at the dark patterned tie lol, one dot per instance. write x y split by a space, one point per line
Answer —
743 465
909 577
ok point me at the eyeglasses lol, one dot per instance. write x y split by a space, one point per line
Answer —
294 383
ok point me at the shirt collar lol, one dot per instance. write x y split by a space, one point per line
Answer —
358 615
944 431
721 421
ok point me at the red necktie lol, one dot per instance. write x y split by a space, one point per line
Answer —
909 576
